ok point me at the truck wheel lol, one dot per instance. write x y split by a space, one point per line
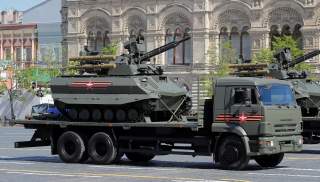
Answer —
269 160
70 147
101 148
139 157
232 154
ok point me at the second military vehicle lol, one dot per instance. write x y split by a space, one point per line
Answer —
307 92
125 88
248 118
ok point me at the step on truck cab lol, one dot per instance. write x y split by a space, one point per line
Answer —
247 118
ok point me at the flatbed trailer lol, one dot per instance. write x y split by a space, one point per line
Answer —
232 133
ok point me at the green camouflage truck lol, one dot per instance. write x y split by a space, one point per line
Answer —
247 118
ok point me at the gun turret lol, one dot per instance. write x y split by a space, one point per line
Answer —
304 58
285 61
160 50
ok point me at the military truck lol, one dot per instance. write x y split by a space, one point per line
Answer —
307 91
247 118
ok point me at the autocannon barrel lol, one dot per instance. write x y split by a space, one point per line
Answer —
304 58
161 49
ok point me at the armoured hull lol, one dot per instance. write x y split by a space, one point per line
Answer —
308 96
119 98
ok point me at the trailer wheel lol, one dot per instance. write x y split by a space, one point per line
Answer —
232 154
101 148
70 147
139 157
269 160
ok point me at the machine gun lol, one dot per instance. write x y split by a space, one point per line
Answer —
137 54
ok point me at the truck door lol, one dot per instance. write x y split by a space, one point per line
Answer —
243 108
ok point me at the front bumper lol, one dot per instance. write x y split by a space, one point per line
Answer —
276 144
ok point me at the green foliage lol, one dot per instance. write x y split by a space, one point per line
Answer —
228 54
3 86
221 64
287 42
263 56
111 49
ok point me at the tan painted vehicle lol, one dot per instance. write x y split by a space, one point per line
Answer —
248 118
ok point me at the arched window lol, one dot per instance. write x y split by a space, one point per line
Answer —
286 31
235 40
99 41
106 39
182 54
297 35
245 44
274 32
240 42
169 53
187 47
223 39
91 42
178 51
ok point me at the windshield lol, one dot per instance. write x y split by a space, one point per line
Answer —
276 94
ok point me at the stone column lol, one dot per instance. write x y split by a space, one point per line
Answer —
259 39
22 46
1 47
33 50
161 41
11 47
199 40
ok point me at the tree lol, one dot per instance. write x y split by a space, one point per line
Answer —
220 63
265 55
111 49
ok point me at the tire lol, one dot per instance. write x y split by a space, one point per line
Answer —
139 157
232 154
101 148
269 160
71 147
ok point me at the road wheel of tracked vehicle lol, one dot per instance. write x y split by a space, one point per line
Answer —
73 114
96 115
139 157
269 160
108 115
101 148
121 115
84 114
133 115
71 147
232 154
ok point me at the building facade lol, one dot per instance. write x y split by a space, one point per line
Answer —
18 44
48 19
249 25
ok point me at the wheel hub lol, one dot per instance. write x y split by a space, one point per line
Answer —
231 154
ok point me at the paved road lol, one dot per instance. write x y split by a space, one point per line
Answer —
37 165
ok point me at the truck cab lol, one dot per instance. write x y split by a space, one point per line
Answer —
262 112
